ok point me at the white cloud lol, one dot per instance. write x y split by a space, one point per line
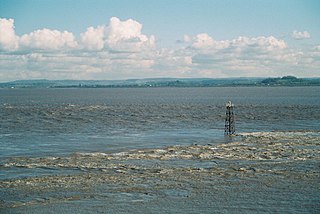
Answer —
127 36
119 31
47 39
204 41
263 43
247 56
123 36
301 35
118 36
8 39
44 39
93 38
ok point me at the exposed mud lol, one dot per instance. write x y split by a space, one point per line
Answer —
267 168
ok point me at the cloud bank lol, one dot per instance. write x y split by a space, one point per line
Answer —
117 36
120 50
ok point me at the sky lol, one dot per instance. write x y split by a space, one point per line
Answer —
124 39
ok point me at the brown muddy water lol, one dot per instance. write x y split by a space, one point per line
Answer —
159 151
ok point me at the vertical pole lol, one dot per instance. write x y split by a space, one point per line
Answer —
229 122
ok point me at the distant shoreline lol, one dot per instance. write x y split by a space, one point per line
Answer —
288 81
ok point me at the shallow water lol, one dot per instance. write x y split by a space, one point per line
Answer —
62 121
159 150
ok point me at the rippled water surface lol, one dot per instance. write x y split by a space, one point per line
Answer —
159 150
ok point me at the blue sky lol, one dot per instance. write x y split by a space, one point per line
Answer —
178 38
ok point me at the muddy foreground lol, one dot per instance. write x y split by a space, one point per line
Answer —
257 172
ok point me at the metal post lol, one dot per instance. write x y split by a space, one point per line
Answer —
229 123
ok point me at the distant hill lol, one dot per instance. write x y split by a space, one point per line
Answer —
163 82
290 81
